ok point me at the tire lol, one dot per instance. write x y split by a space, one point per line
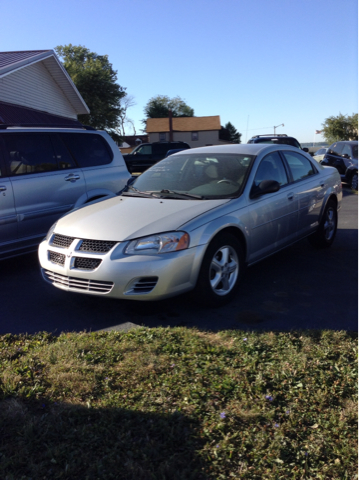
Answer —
325 235
354 181
221 270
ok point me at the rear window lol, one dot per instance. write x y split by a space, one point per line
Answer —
336 148
88 149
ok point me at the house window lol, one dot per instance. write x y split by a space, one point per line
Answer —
162 137
194 137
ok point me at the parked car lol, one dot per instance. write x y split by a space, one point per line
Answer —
319 154
44 173
174 150
280 139
147 154
344 157
194 221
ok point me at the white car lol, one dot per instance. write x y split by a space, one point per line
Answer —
193 221
320 154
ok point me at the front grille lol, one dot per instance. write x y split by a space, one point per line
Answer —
78 283
142 285
86 263
61 241
57 258
97 246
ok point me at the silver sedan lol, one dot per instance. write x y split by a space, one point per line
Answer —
194 221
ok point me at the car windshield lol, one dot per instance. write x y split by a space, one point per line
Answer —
195 176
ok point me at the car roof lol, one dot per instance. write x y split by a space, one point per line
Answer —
241 148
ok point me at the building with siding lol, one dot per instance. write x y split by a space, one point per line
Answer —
36 89
196 131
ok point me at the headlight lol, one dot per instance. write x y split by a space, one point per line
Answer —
161 243
50 232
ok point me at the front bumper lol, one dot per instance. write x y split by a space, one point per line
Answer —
114 274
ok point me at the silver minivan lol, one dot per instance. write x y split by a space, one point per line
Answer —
45 173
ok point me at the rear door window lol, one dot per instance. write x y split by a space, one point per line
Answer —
299 165
87 149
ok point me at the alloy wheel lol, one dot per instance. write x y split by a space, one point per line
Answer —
224 270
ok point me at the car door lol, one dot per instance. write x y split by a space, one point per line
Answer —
273 217
309 188
8 219
46 183
95 157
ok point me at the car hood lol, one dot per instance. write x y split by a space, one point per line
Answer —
124 218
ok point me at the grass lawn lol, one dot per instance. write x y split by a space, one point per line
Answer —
178 404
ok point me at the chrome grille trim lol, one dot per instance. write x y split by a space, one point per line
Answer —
57 258
84 263
61 241
96 246
78 283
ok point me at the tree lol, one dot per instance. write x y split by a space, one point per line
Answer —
159 107
235 136
342 127
96 80
126 102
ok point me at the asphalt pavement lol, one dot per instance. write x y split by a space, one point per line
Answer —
299 287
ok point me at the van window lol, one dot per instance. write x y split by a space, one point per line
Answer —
29 153
88 150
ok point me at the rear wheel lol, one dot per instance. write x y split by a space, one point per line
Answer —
354 181
327 230
221 270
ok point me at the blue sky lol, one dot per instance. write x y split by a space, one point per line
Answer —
257 64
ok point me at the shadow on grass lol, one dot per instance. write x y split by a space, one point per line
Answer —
51 441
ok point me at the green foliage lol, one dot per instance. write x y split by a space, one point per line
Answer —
342 127
235 136
96 81
158 107
179 404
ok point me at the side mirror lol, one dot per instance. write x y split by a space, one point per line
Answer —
346 156
265 187
305 149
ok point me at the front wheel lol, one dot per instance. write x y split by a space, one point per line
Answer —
327 229
221 270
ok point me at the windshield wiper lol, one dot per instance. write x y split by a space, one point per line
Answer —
180 194
138 193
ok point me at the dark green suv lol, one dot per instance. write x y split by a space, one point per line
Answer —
147 154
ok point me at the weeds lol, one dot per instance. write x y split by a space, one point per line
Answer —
178 404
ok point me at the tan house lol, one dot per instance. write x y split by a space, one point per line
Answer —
196 131
35 89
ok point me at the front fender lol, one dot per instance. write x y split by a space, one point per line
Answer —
204 234
95 194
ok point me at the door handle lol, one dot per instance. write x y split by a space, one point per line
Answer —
322 184
2 188
290 196
72 178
